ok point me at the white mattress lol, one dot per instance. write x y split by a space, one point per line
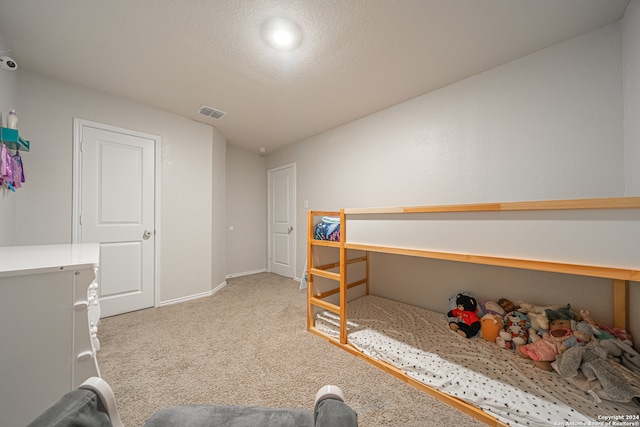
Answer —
508 387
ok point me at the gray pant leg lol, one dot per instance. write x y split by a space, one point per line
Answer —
335 413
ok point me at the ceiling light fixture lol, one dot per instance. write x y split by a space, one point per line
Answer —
281 33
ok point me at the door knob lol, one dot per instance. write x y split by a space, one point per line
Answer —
289 230
146 235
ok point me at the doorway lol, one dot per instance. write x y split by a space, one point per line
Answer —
282 220
115 205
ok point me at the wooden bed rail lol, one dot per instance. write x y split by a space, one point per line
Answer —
604 203
553 267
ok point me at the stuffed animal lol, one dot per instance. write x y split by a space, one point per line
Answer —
507 305
537 315
560 313
587 367
490 326
582 334
603 332
539 325
489 306
597 332
545 350
527 307
560 337
466 321
515 331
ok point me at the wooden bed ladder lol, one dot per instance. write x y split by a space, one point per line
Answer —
315 299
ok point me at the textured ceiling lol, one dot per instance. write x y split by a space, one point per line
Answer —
356 57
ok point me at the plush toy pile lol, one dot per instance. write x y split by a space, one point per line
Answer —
597 358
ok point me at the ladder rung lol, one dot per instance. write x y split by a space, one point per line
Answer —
325 274
358 283
329 243
355 260
337 290
328 266
323 295
324 304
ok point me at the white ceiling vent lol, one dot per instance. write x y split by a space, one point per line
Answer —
211 112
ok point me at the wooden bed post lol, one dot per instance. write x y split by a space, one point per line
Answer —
620 303
367 272
310 317
343 278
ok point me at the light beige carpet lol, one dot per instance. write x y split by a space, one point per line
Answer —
248 345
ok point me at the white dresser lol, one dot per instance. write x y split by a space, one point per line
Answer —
49 314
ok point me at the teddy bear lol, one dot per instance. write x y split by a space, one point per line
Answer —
515 331
464 318
490 326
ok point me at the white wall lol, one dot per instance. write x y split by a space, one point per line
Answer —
546 126
631 82
246 212
43 215
8 101
631 64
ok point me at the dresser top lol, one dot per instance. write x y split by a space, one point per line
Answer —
18 260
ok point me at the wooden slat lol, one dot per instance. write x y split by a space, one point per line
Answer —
357 260
324 213
357 283
366 274
311 321
603 203
327 243
620 303
324 304
337 264
323 295
343 279
582 270
329 266
326 274
326 294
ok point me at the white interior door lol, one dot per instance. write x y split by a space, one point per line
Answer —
282 232
117 209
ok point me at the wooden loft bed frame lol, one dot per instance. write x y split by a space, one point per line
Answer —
620 275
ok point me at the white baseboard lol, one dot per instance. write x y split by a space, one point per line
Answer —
246 273
220 286
192 297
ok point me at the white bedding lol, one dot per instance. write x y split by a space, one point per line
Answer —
508 387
